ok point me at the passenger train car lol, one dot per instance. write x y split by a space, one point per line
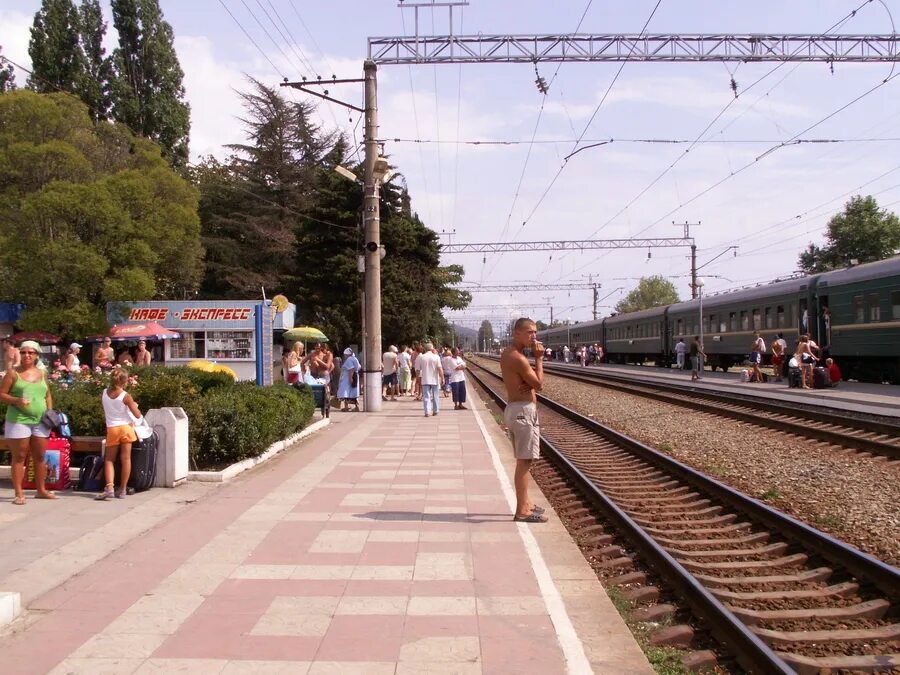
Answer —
853 314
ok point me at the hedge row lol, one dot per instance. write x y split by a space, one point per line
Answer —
229 421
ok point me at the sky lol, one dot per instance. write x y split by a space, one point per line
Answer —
768 204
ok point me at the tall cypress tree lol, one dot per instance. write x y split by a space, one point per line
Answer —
97 67
7 75
147 90
57 60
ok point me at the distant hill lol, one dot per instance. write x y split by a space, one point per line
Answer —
467 336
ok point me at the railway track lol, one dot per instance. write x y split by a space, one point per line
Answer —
834 427
778 595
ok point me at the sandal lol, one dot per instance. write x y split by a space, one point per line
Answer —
19 501
46 495
532 517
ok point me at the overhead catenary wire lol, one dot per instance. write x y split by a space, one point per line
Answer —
836 25
412 96
590 120
250 37
537 125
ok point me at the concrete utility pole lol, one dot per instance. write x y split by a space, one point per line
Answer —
687 235
372 228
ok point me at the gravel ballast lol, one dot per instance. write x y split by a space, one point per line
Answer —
852 496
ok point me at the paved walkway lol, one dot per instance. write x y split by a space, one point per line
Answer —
383 544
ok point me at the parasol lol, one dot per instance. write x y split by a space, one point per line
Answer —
305 333
150 330
39 336
210 367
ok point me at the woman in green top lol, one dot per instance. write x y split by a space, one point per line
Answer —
24 389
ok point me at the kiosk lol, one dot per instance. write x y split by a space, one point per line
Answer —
235 333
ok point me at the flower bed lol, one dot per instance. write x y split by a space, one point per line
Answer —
229 421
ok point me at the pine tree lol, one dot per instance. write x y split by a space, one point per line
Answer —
97 67
7 74
57 60
147 90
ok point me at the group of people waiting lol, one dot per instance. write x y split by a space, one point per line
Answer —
26 392
806 356
420 371
587 355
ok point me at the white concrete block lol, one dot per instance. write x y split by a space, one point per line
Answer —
10 607
173 461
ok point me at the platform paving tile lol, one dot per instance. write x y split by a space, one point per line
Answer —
379 546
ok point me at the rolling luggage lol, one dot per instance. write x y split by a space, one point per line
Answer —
821 378
795 378
143 463
57 458
91 478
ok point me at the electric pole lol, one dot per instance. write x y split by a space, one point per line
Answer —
372 226
687 235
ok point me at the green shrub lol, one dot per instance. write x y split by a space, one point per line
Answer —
243 420
82 404
201 379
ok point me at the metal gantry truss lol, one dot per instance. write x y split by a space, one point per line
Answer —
566 245
633 47
524 286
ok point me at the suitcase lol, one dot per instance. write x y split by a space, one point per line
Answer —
91 478
57 458
795 378
143 463
821 378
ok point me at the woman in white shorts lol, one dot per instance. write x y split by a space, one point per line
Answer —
24 390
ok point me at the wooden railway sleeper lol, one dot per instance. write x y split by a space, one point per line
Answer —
843 590
809 576
760 552
872 609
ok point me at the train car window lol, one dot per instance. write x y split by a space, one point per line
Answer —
745 321
859 309
779 316
874 308
679 327
757 319
770 318
895 304
723 327
732 321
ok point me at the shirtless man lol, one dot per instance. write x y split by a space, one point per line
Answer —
520 415
143 356
10 355
105 356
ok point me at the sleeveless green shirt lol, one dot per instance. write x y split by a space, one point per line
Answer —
36 393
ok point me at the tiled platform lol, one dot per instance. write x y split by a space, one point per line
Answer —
382 545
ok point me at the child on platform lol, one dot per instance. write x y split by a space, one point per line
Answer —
121 411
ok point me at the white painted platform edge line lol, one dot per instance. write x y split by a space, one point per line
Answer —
572 648
233 470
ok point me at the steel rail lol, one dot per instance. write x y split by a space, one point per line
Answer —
884 576
751 652
687 396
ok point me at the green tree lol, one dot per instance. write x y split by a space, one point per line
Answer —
90 214
861 232
654 291
94 89
57 59
7 74
147 90
254 205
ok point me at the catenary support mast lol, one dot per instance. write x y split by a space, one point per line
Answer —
372 227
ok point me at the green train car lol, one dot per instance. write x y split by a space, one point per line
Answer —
858 319
853 315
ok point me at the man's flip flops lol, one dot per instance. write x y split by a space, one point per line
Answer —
533 517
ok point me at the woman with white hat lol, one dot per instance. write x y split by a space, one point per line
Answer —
24 390
348 388
72 362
